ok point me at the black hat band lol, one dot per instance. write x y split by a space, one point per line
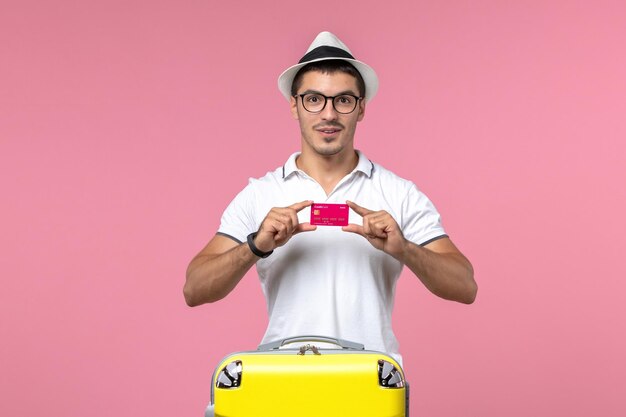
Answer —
325 52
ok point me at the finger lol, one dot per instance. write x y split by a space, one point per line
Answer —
378 228
361 211
299 206
354 228
282 230
304 227
378 232
289 217
283 219
368 228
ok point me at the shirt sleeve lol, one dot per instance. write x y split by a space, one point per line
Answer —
421 222
238 220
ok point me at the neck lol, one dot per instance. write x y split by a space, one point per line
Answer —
327 170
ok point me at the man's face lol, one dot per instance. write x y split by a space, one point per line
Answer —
327 132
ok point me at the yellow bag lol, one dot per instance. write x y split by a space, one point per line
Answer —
298 377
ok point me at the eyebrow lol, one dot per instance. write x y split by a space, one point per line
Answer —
338 94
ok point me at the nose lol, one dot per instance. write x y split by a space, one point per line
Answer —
329 112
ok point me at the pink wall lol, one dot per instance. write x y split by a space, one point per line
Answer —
127 126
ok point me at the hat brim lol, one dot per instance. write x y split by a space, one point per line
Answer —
369 76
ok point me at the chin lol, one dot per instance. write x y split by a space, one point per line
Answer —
328 151
325 146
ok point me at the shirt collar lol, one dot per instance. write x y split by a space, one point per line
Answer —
364 165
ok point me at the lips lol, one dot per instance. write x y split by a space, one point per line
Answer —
328 130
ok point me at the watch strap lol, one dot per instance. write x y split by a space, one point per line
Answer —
253 247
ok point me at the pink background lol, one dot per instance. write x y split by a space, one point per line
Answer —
127 126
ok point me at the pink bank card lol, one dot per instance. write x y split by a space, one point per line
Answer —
326 214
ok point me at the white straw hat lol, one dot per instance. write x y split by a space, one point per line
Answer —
327 46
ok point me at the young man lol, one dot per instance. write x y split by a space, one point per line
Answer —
329 280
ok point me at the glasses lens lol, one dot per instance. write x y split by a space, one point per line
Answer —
345 104
313 102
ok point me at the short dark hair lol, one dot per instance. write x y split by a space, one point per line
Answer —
329 66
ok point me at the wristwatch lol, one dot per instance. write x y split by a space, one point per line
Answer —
256 250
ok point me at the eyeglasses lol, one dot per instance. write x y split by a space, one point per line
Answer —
315 102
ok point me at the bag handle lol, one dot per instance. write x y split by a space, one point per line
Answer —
344 344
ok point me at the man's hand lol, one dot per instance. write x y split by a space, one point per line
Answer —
439 265
280 224
380 229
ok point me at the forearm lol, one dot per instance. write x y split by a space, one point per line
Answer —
448 275
212 277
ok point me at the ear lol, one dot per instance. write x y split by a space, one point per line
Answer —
361 110
293 103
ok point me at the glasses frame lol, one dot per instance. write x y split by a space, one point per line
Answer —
326 98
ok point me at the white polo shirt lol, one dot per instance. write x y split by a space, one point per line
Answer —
329 282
